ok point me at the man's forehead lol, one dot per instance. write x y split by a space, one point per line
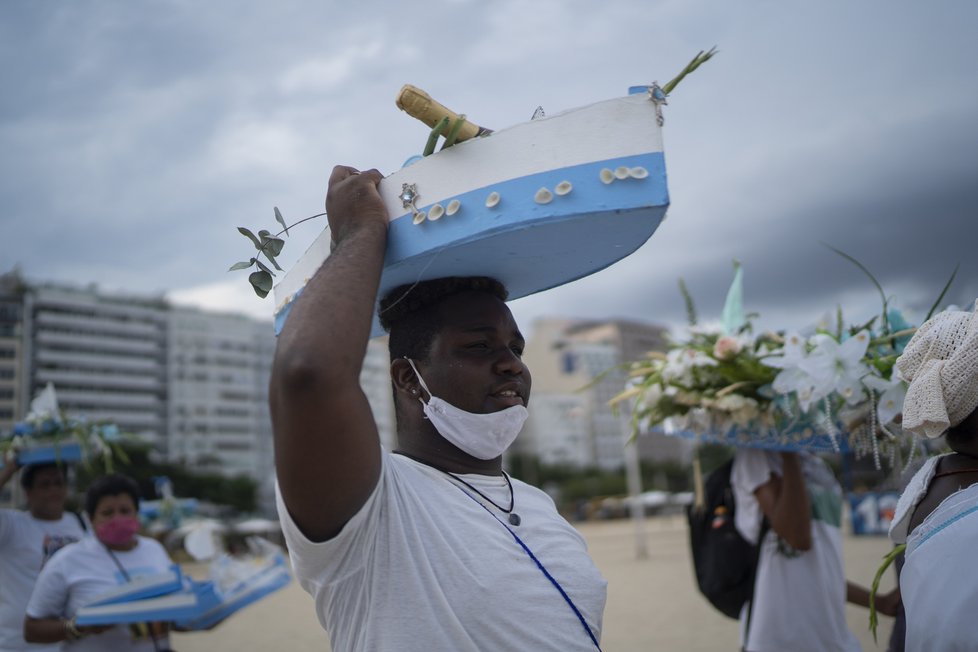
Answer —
477 311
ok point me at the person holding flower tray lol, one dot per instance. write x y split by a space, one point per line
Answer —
800 588
27 540
937 515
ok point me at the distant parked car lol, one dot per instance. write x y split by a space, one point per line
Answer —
652 502
682 498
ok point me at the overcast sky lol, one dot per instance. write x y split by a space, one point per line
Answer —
136 136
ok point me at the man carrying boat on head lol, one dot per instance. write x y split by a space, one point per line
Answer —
433 545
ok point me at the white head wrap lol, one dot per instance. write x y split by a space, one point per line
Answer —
941 365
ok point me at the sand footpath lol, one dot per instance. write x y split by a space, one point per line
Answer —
653 603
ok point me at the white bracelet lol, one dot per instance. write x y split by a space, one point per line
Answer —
72 633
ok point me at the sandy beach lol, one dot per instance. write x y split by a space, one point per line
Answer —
653 603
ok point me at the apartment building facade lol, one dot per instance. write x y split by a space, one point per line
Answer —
576 372
104 354
191 383
217 411
12 376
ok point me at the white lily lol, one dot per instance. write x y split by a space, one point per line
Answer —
790 354
838 367
802 384
892 392
794 378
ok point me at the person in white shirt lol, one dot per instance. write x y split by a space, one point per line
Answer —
432 546
937 514
82 571
800 589
27 540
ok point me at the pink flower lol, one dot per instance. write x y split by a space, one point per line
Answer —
726 347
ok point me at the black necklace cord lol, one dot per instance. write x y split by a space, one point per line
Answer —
122 569
512 496
514 519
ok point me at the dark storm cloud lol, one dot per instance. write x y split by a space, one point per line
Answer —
136 137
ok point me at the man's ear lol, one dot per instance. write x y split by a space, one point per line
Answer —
404 379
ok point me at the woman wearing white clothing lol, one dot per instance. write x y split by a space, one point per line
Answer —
800 590
937 516
82 571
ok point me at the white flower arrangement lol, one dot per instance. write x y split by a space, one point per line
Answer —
832 390
48 434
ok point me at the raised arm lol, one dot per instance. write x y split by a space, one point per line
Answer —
784 501
9 468
327 451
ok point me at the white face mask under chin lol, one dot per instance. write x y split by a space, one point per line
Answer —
484 436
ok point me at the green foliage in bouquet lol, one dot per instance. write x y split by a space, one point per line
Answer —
709 370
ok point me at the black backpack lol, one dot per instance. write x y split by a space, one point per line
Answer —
724 561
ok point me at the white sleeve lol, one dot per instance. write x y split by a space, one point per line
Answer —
752 468
322 563
50 594
5 525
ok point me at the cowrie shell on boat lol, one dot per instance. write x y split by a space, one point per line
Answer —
563 188
622 172
419 217
638 172
606 175
435 212
543 196
492 200
453 207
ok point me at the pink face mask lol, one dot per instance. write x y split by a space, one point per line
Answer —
118 530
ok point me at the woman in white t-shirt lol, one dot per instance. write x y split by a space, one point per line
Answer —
800 589
82 571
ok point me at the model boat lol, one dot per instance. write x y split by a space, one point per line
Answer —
536 205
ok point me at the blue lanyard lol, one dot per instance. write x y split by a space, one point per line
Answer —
577 612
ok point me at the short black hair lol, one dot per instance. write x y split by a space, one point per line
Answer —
110 485
31 470
406 312
964 434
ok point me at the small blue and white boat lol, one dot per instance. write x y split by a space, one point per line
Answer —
535 205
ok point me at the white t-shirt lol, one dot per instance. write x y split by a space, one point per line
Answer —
83 571
800 597
938 584
424 566
26 543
